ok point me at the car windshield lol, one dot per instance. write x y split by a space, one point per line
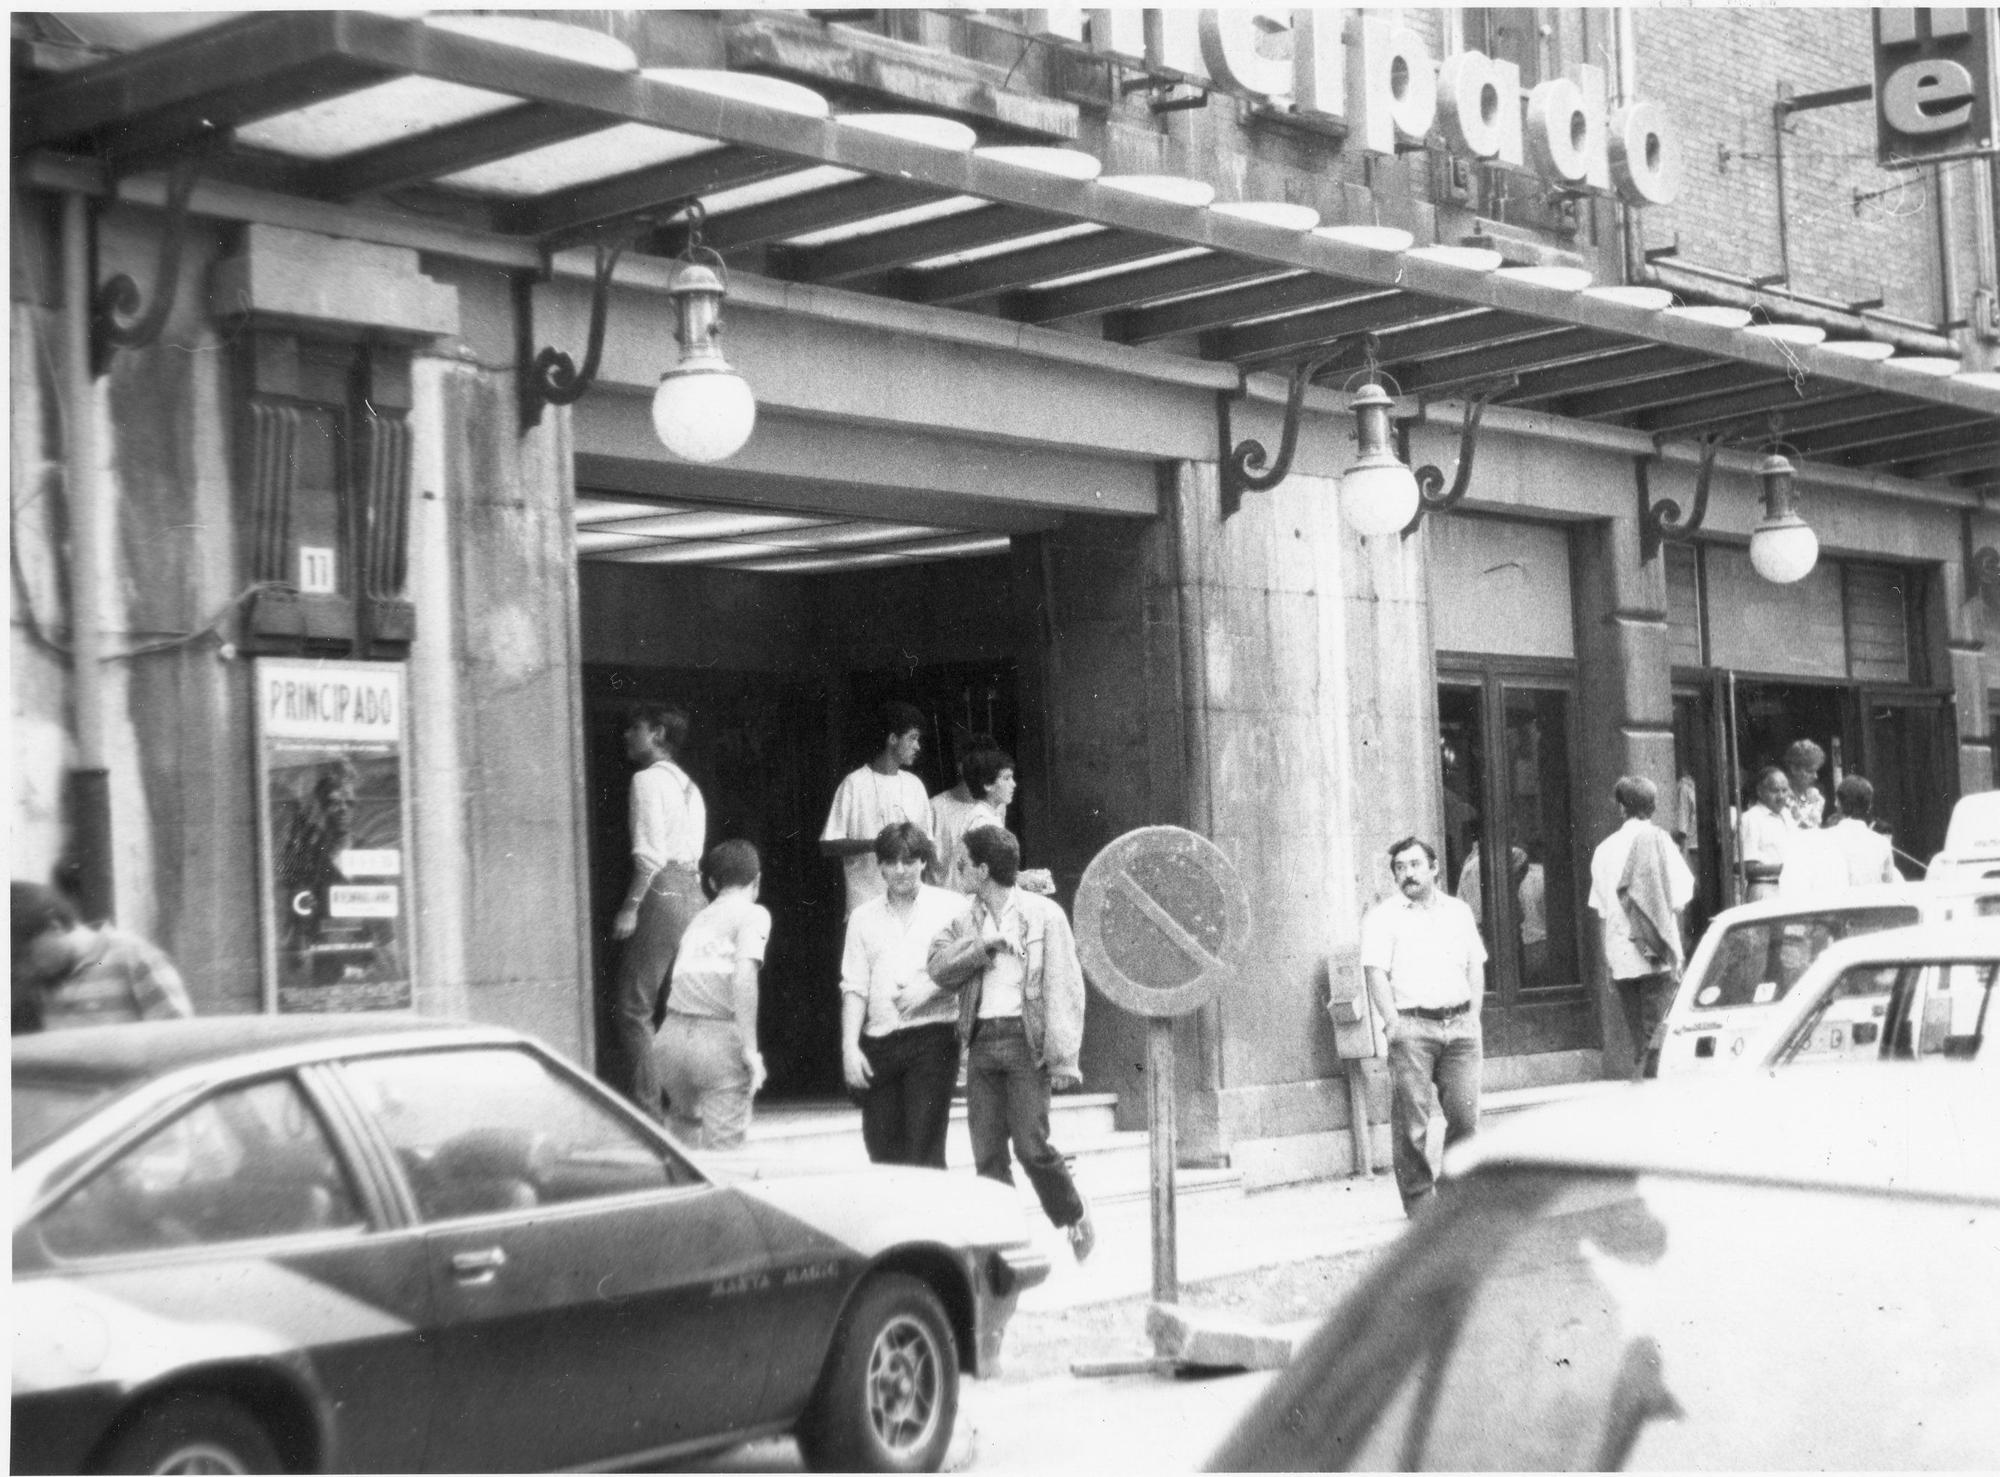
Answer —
1901 1011
44 1109
1550 1320
1758 961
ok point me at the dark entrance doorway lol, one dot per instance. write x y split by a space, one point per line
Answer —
767 751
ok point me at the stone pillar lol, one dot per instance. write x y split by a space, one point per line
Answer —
1968 613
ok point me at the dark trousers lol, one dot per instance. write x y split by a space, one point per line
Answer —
1007 1098
1445 1054
643 965
1645 998
907 1105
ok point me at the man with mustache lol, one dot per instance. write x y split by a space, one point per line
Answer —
1425 965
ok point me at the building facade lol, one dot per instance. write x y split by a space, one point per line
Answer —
323 630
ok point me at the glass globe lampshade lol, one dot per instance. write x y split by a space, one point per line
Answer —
1378 494
1783 548
703 411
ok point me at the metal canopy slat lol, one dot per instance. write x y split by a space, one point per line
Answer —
1750 408
1234 307
1672 389
1499 359
1924 446
645 189
1318 330
1865 430
1148 284
1959 463
448 150
818 210
842 261
1632 364
1479 329
1019 269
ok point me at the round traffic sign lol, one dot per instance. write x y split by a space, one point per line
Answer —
1160 919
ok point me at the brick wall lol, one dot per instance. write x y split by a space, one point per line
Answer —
1718 70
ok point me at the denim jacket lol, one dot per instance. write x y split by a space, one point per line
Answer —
1052 994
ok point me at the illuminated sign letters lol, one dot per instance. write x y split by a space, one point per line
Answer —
1935 84
1376 76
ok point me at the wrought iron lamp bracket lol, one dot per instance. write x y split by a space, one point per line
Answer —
1662 520
550 376
120 318
1432 496
1982 562
1246 465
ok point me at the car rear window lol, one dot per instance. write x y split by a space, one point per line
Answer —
1547 1321
44 1109
1757 962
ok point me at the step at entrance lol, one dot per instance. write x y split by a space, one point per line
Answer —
1109 1165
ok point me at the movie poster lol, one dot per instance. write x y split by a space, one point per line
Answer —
330 746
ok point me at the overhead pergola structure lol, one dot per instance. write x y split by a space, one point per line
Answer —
412 120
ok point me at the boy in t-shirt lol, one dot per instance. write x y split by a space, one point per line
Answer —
706 1048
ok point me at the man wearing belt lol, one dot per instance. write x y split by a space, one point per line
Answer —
669 829
1011 959
1426 970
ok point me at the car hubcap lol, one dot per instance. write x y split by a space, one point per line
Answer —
905 1380
198 1460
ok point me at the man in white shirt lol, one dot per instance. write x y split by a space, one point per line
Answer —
1639 868
901 1065
1868 854
1764 835
879 793
1425 965
669 830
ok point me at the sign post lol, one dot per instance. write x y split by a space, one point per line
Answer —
1161 918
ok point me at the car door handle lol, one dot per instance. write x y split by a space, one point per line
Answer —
477 1267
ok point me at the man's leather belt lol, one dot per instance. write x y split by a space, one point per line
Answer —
1439 1012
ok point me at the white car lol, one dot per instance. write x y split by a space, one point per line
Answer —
1971 841
1911 994
1732 995
1792 1272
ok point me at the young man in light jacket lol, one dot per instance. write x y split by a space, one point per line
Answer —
1011 959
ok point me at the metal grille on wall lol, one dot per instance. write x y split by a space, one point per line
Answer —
532 145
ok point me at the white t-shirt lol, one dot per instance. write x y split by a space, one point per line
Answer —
951 818
728 930
866 801
1869 854
669 820
1429 953
1607 868
1000 992
885 950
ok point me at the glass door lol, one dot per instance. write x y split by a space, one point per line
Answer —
1505 743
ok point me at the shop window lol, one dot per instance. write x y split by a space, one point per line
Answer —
323 473
1878 602
1505 744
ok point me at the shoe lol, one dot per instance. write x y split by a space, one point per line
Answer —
1083 1237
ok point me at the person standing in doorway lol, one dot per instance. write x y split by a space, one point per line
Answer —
1764 834
706 1052
989 780
1865 851
953 811
669 829
880 792
1639 884
1425 966
901 1065
68 974
1011 959
1805 806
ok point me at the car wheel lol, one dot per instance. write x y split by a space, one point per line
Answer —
193 1434
888 1397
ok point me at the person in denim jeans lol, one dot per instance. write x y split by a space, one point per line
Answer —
1425 965
1011 959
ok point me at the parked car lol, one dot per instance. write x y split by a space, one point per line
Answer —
1971 840
1732 993
1752 1273
1911 994
387 1244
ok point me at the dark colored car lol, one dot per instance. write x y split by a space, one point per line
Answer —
1745 1274
388 1244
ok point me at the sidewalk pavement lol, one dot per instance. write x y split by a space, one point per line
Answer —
1218 1235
